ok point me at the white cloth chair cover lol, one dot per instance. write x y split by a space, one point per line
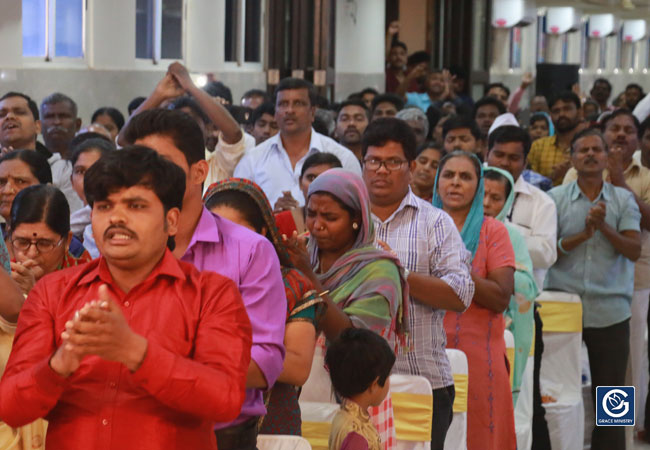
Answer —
316 422
509 338
281 442
560 373
457 434
524 409
411 384
318 387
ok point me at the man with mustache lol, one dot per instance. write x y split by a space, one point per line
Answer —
135 349
59 124
549 156
429 246
621 132
276 163
598 242
351 121
600 93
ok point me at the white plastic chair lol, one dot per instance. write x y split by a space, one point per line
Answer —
457 434
281 442
413 412
509 338
560 373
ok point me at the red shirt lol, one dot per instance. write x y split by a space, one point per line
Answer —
193 374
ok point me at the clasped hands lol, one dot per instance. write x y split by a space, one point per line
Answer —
595 218
98 328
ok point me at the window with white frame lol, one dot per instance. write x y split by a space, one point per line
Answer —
53 28
159 29
243 31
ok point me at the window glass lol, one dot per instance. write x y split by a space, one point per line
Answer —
33 27
232 30
253 30
144 22
69 28
172 29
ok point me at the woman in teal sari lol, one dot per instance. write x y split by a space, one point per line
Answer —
499 197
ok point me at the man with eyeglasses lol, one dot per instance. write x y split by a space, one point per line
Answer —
427 243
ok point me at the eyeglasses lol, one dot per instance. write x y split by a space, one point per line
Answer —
42 245
390 164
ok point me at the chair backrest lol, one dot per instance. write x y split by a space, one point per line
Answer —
510 353
560 312
412 398
281 442
459 370
317 421
318 387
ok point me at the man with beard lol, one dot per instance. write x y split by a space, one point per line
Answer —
385 105
276 163
135 349
439 87
396 68
601 92
549 156
486 110
598 242
351 121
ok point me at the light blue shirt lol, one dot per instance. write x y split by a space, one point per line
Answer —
269 166
594 270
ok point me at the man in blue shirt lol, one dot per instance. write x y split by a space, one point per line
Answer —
598 241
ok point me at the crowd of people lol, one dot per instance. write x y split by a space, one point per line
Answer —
178 269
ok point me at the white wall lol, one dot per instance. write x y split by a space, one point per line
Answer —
360 38
110 75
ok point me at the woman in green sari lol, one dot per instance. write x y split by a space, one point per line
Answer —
498 200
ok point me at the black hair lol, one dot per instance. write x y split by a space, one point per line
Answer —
98 145
510 133
37 163
58 97
603 80
239 113
566 96
586 133
459 72
457 122
386 129
115 115
41 203
218 89
634 86
31 104
319 159
257 113
399 44
134 104
538 117
397 101
321 102
622 112
358 103
241 202
82 137
489 101
418 57
430 145
368 90
256 93
320 126
461 154
496 176
176 125
296 83
188 102
496 85
356 359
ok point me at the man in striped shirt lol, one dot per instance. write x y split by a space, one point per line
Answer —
431 250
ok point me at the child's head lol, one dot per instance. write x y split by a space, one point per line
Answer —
360 362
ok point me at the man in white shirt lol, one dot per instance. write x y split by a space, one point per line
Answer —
275 164
533 211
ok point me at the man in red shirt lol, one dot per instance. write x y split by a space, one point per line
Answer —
120 353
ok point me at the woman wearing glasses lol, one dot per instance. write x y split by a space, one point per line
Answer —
39 237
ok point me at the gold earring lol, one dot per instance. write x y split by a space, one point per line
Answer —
355 226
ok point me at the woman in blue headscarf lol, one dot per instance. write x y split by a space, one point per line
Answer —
478 332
